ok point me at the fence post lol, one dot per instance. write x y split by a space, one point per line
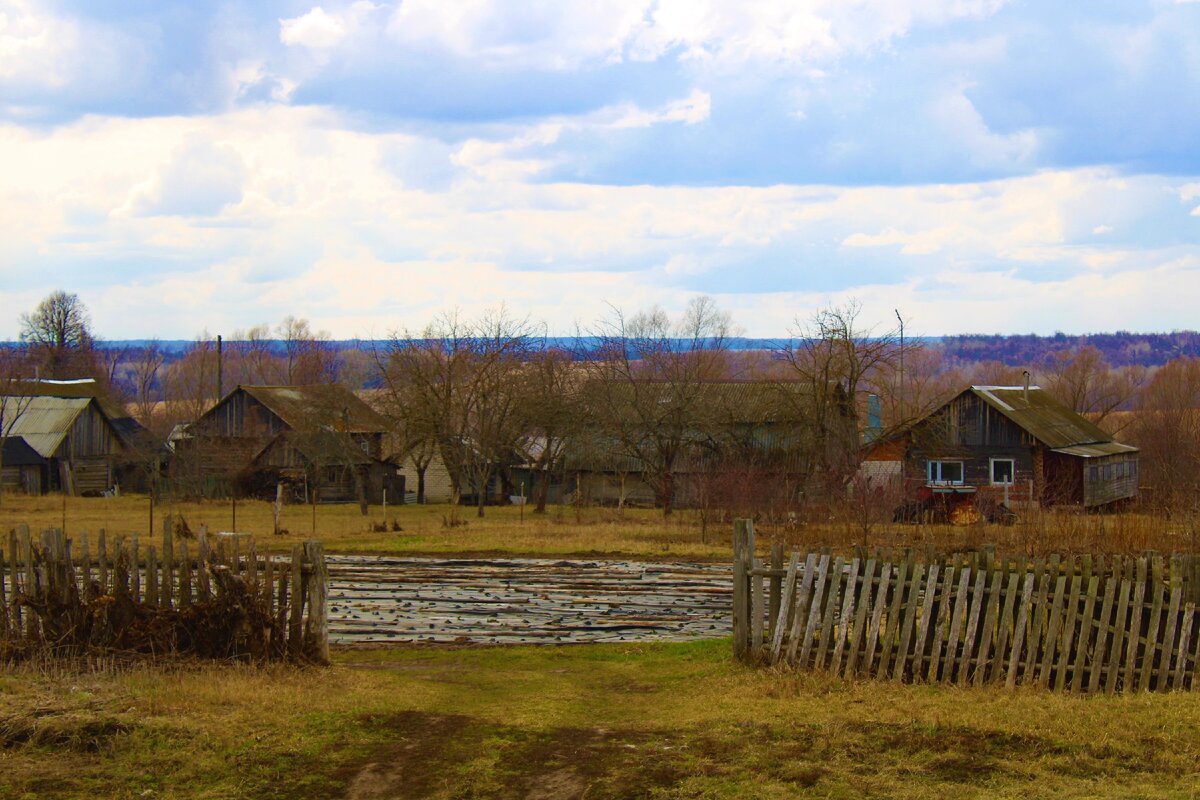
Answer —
743 558
316 626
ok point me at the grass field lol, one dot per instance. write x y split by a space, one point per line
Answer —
592 532
603 721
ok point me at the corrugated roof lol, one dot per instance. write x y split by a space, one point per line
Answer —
302 407
1043 417
1097 450
42 421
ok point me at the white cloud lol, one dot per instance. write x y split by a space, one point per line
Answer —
290 210
200 180
694 108
319 29
563 35
965 128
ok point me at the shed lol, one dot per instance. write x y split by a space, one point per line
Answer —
73 435
24 469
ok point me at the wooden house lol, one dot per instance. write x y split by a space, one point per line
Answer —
72 435
1009 444
319 438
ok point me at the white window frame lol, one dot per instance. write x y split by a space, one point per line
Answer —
937 481
1012 471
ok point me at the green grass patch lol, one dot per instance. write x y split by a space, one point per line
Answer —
600 721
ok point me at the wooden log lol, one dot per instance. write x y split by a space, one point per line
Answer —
920 660
969 640
800 615
316 628
831 606
903 664
782 612
858 634
878 606
295 610
814 613
1181 656
1019 631
844 619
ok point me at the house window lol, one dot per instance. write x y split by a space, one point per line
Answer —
1003 470
944 471
1093 474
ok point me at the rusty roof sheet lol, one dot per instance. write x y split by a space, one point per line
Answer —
1043 417
42 421
319 405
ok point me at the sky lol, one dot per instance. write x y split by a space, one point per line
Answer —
981 165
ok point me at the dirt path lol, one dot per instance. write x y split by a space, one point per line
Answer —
500 601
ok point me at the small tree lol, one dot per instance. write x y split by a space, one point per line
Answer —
59 336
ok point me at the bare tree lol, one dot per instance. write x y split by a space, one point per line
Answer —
644 388
145 364
552 411
307 354
831 358
59 336
1167 429
457 386
1083 380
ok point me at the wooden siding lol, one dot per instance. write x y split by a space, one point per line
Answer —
1106 480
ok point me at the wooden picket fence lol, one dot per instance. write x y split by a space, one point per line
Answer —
225 599
1078 624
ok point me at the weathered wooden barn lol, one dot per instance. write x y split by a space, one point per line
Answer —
24 469
322 438
1013 444
72 435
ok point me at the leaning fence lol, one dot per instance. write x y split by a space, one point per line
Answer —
1071 623
222 599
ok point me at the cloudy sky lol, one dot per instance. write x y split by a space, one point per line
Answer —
985 166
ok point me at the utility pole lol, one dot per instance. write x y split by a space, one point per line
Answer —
220 367
901 398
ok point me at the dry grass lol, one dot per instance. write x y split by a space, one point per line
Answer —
668 721
634 533
594 532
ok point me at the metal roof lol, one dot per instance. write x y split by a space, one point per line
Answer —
1098 450
42 421
304 408
1043 417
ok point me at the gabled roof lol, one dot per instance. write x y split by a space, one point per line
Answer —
41 421
18 453
1047 420
304 407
